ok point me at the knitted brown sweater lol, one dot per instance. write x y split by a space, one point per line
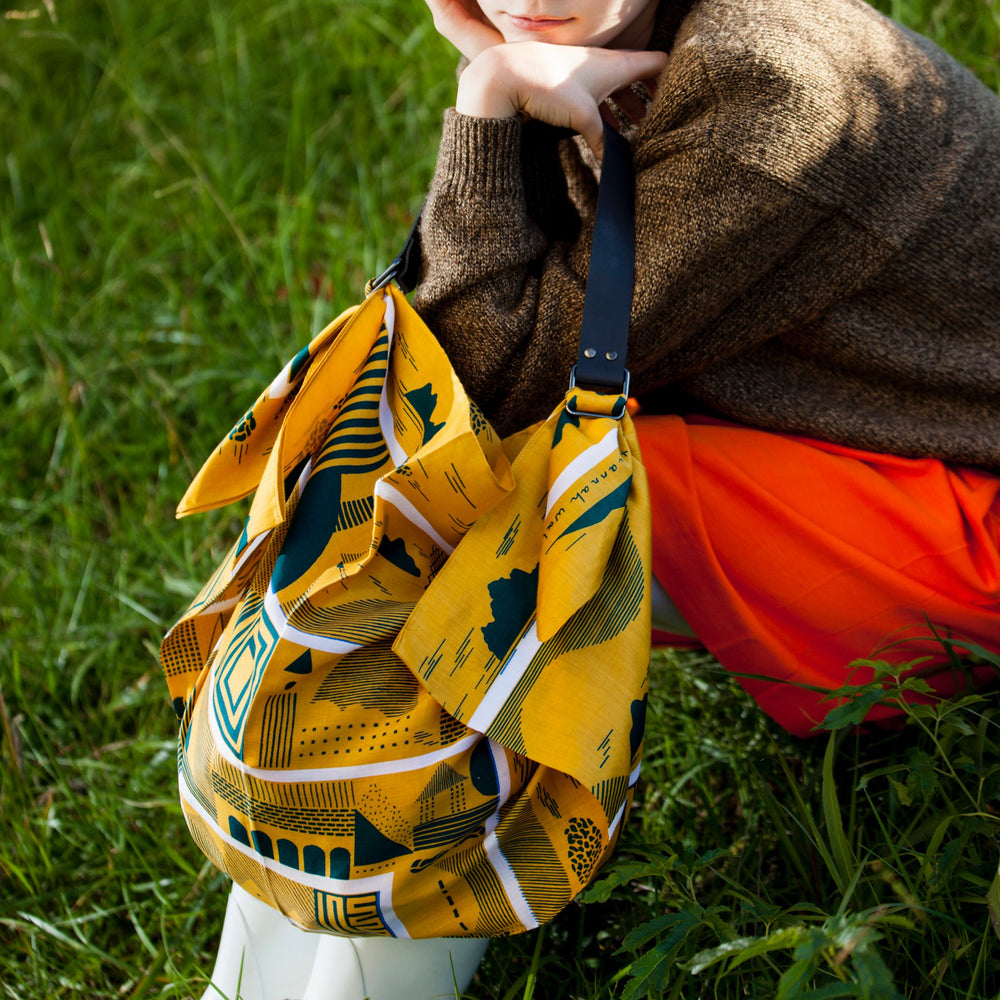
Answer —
817 236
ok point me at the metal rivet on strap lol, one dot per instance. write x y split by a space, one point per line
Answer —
590 353
611 355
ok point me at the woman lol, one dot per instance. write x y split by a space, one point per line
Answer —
815 337
815 342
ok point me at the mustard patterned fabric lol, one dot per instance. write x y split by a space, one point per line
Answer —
412 695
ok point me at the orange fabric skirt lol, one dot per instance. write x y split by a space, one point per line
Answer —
791 558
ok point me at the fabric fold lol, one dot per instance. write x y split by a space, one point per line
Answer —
411 696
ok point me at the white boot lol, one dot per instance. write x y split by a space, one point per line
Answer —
262 954
380 968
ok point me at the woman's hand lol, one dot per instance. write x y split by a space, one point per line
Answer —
463 24
559 84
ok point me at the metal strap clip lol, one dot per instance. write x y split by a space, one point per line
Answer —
617 411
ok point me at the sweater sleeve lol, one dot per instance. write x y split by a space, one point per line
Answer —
729 253
498 228
506 300
816 237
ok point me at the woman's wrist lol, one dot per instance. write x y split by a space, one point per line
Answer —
480 157
483 90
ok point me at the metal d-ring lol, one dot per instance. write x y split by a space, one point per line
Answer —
622 394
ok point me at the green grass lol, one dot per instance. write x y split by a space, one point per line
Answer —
187 193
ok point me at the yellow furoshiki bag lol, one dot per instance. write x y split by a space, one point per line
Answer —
412 696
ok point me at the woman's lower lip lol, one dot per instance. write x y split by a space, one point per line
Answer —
537 23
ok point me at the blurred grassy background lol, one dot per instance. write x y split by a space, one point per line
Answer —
187 194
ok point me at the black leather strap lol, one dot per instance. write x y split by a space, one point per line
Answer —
607 305
405 269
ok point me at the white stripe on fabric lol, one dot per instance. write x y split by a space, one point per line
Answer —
491 845
504 683
247 552
385 421
382 884
509 881
282 384
304 475
499 758
346 772
615 822
583 463
280 623
219 607
392 496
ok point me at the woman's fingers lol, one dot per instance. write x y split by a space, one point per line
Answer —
559 84
614 69
463 24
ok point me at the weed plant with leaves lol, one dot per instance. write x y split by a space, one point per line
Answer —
863 865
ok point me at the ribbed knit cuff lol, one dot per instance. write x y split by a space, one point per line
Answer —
479 157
